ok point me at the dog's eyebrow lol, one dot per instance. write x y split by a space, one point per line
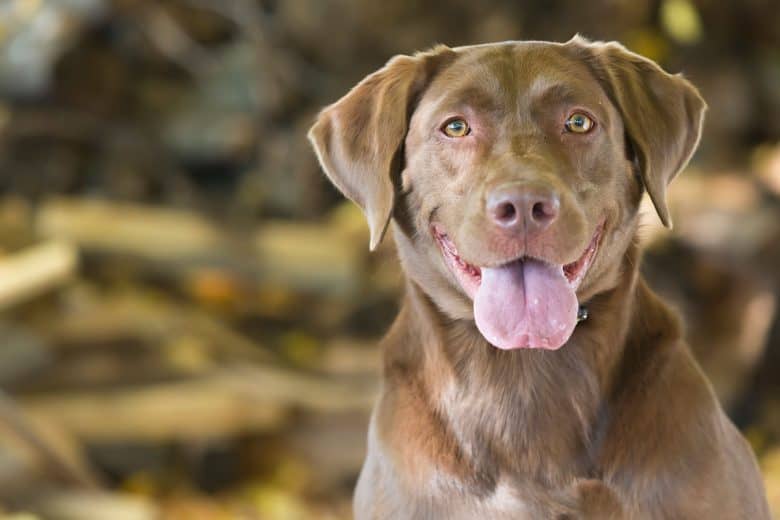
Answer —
473 96
558 92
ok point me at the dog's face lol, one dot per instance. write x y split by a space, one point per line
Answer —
514 172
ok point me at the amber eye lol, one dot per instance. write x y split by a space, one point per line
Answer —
456 128
579 123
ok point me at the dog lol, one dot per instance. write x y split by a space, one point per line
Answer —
531 372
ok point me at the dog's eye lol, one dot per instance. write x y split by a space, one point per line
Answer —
579 123
456 128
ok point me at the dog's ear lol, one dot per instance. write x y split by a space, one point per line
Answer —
662 113
359 138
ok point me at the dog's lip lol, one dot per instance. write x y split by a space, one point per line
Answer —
470 275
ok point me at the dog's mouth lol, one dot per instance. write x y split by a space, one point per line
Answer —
526 302
470 275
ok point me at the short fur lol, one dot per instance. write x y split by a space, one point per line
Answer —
618 423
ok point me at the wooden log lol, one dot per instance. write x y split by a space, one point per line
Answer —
303 256
35 270
53 449
153 233
135 314
230 401
309 257
92 505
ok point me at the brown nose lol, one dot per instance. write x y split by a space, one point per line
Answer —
523 206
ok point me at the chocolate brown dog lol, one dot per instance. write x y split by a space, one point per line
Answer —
512 173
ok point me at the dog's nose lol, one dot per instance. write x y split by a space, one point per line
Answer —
523 206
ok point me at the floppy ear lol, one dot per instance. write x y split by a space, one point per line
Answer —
358 139
662 113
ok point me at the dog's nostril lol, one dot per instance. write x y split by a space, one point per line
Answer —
518 206
544 211
506 212
538 212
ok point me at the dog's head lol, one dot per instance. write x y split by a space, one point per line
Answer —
513 172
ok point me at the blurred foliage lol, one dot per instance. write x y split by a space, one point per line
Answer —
189 311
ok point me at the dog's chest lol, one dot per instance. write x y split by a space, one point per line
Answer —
390 489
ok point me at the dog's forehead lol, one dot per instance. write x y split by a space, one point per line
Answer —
494 75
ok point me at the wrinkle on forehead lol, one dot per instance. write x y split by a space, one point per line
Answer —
475 97
472 86
548 89
493 78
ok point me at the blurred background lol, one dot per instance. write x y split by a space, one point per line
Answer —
188 311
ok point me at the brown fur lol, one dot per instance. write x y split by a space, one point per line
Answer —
618 423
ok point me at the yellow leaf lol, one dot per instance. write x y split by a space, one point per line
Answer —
681 21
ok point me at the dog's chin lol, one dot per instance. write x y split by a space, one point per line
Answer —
524 302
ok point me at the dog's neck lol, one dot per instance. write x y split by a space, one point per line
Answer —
520 411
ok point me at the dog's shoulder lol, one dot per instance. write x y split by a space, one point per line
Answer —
669 441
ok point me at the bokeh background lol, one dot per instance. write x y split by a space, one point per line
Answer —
188 311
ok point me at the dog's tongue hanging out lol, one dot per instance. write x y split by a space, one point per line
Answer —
525 304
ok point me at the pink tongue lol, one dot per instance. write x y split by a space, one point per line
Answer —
525 304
